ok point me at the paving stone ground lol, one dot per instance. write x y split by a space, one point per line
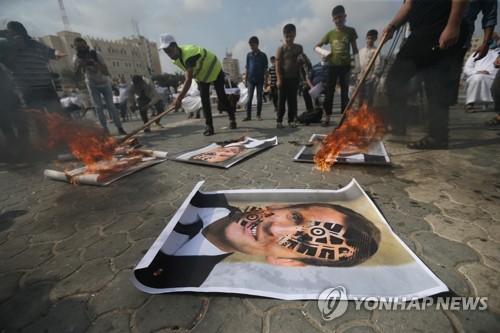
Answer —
67 252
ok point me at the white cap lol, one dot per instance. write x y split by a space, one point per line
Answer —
166 40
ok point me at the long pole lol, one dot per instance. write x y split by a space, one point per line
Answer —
363 78
152 120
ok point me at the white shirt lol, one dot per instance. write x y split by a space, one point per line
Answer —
365 55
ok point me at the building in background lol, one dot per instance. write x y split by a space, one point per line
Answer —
125 57
231 66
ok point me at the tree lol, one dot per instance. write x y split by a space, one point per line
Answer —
169 80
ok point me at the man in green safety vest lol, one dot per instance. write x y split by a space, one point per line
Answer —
202 65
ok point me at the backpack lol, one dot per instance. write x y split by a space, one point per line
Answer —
311 116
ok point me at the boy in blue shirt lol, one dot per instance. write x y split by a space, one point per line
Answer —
256 75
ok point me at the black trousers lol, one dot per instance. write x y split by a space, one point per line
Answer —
204 88
340 74
288 94
438 77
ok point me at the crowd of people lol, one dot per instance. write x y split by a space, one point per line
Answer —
440 34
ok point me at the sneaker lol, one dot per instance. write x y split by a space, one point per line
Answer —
209 131
159 125
259 118
293 124
247 119
121 131
279 125
232 124
147 130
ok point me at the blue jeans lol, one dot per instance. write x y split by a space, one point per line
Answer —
107 93
251 88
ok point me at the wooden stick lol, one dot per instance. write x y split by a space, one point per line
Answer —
362 80
152 120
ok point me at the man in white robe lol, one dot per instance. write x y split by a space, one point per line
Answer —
479 76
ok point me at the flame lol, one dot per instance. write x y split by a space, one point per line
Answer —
359 129
87 141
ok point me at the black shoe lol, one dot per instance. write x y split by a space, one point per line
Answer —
232 124
247 119
428 143
209 131
121 131
147 130
279 125
325 124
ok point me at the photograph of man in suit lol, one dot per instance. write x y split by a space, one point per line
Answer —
293 235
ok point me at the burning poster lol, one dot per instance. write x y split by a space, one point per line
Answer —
374 153
286 244
104 172
224 154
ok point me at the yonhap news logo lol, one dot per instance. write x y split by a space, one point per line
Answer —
332 303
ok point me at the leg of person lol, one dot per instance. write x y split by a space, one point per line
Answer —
344 73
260 96
293 86
8 111
370 92
274 91
439 91
221 95
307 99
52 102
251 90
107 92
495 93
458 63
281 105
123 111
402 70
97 101
207 109
159 107
331 81
145 119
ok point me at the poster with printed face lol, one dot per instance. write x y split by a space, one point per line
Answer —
105 172
225 155
287 244
373 154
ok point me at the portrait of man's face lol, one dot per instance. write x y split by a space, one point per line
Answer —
285 233
220 154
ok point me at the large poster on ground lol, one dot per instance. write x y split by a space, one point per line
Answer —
375 153
106 172
286 244
226 154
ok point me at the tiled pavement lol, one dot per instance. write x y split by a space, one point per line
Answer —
67 252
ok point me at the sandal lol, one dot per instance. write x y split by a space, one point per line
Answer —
469 108
209 131
495 121
428 143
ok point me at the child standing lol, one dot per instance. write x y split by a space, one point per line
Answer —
341 39
256 75
366 54
287 75
272 83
